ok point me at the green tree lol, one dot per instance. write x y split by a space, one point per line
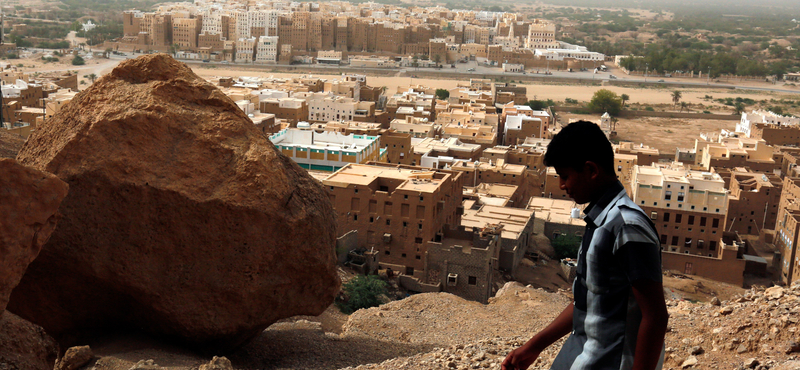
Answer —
676 97
605 100
625 98
91 77
442 94
739 108
437 59
684 105
78 61
362 292
566 246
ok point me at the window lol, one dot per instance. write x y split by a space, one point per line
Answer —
388 222
668 195
663 239
418 257
405 196
356 191
452 279
715 223
702 221
418 240
687 243
403 255
653 215
700 243
666 216
472 280
355 217
680 196
419 226
674 241
712 245
405 224
386 252
371 219
409 271
691 219
678 218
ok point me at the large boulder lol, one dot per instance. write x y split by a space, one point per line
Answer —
182 218
25 346
29 199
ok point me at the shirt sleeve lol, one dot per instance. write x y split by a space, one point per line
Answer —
638 253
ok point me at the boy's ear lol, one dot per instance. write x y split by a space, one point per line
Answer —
592 170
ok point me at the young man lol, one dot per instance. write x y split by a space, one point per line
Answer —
618 318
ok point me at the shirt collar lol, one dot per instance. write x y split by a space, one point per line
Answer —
597 210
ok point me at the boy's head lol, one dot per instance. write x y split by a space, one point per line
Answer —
583 158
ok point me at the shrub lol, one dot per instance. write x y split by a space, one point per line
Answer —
362 292
442 94
706 112
606 101
12 56
566 246
570 101
649 109
78 61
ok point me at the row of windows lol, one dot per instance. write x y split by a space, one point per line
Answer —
690 219
688 243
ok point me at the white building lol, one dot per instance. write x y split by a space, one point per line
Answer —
748 120
326 151
326 107
508 67
267 49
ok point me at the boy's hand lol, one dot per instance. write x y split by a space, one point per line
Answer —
520 358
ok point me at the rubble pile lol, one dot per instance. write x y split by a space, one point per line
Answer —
756 330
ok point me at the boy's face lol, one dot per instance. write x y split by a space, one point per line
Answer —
579 185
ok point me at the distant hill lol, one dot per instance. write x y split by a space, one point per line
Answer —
744 7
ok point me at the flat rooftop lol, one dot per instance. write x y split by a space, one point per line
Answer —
424 181
512 219
555 210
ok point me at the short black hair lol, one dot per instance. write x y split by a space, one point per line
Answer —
578 143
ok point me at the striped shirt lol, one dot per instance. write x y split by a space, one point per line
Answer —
620 245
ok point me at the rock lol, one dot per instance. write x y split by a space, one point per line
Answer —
788 365
715 301
792 347
727 310
145 365
74 358
689 362
775 292
24 345
750 363
182 219
541 244
742 348
29 200
10 144
696 350
217 363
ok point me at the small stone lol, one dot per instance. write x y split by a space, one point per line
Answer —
727 310
715 301
793 347
696 350
750 363
741 349
74 358
775 292
217 363
689 362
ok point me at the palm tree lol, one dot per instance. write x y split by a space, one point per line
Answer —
91 77
684 105
624 98
676 97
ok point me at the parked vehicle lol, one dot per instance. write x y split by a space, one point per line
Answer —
612 77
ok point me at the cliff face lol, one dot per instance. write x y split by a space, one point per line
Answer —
182 218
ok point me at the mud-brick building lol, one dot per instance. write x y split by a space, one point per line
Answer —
397 210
